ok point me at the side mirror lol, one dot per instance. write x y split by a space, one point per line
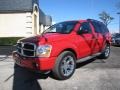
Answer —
82 31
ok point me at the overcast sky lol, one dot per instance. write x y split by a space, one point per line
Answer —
62 10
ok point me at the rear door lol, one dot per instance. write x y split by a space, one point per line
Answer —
99 37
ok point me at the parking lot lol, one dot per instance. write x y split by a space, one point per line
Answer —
94 74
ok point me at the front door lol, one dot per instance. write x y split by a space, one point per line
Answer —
85 40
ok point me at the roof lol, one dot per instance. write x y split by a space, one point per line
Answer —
44 19
41 17
16 5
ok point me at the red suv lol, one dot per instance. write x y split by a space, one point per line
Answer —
63 45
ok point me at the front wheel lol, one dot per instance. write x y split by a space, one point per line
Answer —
65 65
106 52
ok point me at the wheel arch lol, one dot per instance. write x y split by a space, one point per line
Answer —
71 50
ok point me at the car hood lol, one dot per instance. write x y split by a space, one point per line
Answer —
33 39
48 37
51 37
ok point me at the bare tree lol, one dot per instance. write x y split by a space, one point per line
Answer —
105 18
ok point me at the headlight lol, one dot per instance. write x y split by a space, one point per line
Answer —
43 50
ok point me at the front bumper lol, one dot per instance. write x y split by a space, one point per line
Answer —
34 63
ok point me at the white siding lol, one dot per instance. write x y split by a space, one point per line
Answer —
16 25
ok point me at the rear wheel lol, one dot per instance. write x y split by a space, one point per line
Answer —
65 65
106 52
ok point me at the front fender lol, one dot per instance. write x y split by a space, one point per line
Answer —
59 47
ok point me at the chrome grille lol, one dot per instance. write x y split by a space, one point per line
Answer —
26 49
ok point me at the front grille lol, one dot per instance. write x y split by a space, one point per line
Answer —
26 49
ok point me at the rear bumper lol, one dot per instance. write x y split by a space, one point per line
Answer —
39 64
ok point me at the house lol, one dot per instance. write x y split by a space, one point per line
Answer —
22 18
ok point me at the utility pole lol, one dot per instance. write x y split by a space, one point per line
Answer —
119 21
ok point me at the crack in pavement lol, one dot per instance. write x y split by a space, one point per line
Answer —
8 78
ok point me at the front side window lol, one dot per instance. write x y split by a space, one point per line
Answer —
85 27
63 27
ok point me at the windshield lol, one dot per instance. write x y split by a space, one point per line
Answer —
63 27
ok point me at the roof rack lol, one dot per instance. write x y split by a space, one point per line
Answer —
93 20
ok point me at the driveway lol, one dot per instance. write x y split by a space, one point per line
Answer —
94 74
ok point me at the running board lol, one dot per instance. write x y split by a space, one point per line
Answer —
87 58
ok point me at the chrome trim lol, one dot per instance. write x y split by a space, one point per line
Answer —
28 49
22 49
25 55
88 57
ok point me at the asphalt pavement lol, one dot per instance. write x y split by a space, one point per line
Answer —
6 51
94 74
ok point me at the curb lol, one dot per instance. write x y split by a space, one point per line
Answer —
3 56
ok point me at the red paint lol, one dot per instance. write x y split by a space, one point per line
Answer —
83 45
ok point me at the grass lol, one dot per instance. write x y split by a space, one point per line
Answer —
9 40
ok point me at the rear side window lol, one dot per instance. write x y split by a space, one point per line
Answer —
100 27
97 27
104 29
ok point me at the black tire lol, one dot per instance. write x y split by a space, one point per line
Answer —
106 52
65 66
